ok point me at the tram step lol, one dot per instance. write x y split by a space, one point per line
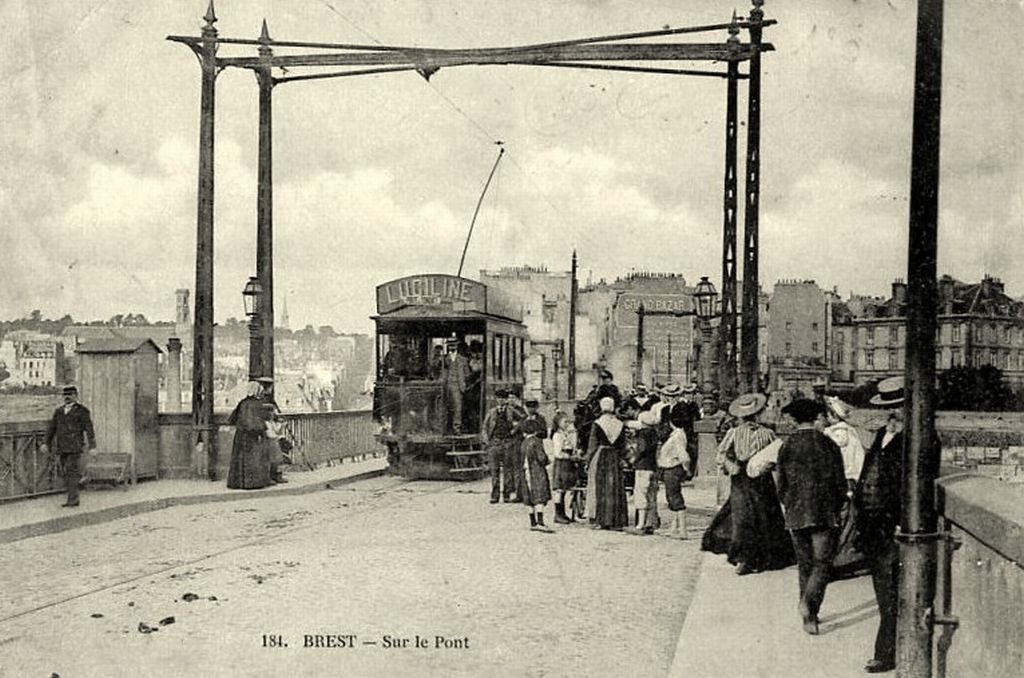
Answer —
469 453
474 469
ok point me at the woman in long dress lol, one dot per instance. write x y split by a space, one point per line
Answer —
250 456
757 531
606 491
849 561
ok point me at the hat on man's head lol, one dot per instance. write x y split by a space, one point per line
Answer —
671 391
748 404
804 410
890 392
641 387
837 407
532 402
265 380
500 393
605 374
68 388
689 388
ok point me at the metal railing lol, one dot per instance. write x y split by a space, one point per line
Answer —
24 470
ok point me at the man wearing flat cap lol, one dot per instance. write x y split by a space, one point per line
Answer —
499 437
71 430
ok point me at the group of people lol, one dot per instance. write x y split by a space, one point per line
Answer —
838 502
591 453
257 454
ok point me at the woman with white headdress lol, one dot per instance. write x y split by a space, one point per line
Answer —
606 450
250 458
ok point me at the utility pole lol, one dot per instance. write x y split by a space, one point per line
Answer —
572 330
670 380
265 209
749 343
202 335
918 521
638 373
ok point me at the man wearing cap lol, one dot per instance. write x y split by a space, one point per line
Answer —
499 436
640 401
671 459
456 379
606 388
813 490
877 502
685 413
71 428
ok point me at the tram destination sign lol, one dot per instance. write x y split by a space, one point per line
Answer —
435 289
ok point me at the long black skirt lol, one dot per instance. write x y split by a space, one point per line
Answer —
750 527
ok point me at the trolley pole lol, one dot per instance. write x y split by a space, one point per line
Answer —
572 330
918 537
202 342
750 380
265 209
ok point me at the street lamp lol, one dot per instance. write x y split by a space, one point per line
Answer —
706 298
252 293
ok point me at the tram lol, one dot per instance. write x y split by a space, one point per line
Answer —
444 345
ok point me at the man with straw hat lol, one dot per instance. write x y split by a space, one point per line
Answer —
877 502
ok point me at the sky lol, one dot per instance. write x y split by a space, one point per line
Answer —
376 177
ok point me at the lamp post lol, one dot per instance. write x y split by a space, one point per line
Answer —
705 298
556 358
252 294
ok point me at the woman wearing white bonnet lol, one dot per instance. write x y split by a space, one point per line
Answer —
606 491
846 437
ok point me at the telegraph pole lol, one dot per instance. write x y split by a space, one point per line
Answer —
918 536
750 380
202 334
638 373
572 330
265 209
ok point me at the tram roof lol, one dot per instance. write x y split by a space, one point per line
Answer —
438 296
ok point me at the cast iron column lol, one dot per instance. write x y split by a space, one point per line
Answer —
748 341
920 453
202 352
572 330
727 330
265 212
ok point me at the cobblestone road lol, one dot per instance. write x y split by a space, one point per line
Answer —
431 563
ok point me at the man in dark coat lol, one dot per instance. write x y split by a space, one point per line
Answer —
685 414
812 487
499 436
71 428
877 502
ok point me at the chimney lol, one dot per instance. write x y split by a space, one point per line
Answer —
946 291
899 293
172 376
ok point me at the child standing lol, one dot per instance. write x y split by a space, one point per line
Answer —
534 488
563 446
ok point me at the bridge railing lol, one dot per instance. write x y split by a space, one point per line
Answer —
981 583
24 470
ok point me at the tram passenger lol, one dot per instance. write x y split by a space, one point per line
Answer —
534 488
499 437
515 454
456 382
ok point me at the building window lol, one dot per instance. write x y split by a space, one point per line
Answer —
956 333
893 359
789 326
789 348
955 359
839 354
869 360
893 336
814 327
814 347
869 336
1006 335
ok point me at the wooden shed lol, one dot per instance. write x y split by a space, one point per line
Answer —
118 382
